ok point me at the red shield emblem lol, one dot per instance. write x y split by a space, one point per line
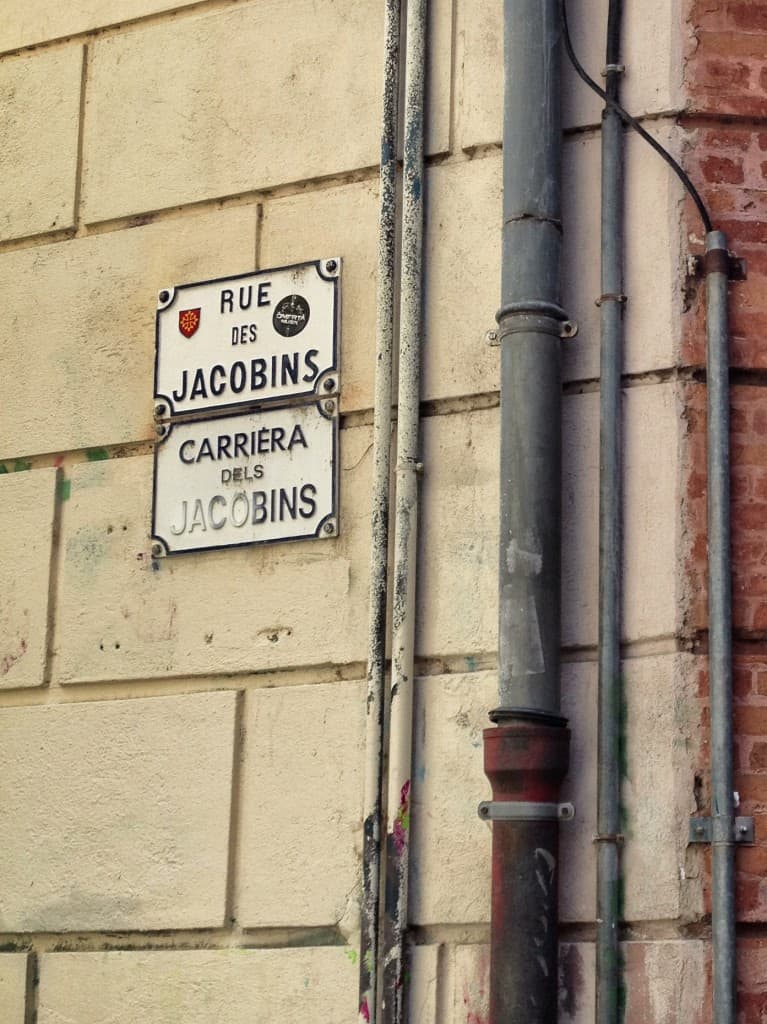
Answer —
188 321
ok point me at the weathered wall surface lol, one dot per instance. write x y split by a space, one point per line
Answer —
726 79
182 740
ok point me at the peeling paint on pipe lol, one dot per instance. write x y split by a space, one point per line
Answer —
379 554
406 526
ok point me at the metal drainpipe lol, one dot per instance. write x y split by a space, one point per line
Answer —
610 541
716 267
379 553
526 755
406 527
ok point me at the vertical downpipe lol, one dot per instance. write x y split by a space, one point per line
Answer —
379 554
716 266
406 526
610 542
526 755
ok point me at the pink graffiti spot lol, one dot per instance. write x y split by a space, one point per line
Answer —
10 660
364 1011
402 821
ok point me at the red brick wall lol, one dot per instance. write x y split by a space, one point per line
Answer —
726 77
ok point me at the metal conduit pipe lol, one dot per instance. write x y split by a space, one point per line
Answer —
716 268
611 305
405 526
379 548
526 755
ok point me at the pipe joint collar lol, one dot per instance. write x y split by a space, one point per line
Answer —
534 317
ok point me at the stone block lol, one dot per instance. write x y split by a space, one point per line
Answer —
460 506
665 982
653 256
78 332
40 94
424 978
41 20
312 107
450 864
227 986
450 870
663 743
13 987
301 807
123 615
116 814
651 424
338 221
652 55
26 533
462 285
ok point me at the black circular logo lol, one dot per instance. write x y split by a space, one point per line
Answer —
291 315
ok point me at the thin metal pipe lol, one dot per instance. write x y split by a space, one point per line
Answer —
526 756
379 547
720 627
406 525
610 542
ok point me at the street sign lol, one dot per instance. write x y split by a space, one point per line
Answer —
254 338
247 478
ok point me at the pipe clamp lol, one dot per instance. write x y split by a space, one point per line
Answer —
702 831
521 810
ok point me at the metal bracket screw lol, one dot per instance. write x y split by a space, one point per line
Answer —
329 527
329 384
160 410
331 266
491 337
329 406
568 329
157 550
164 296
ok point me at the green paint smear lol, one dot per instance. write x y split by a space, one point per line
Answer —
20 466
96 454
351 955
64 489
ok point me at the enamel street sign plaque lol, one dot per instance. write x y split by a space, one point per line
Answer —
247 478
251 339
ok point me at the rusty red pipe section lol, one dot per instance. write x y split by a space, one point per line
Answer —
525 761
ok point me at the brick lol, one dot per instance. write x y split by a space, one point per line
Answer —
40 95
304 117
231 986
85 848
78 332
42 20
124 616
303 768
652 50
332 222
26 534
13 986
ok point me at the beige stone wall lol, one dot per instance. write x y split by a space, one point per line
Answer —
182 741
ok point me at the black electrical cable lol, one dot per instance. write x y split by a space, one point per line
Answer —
632 121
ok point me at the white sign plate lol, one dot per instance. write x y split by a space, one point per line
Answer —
249 339
248 478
